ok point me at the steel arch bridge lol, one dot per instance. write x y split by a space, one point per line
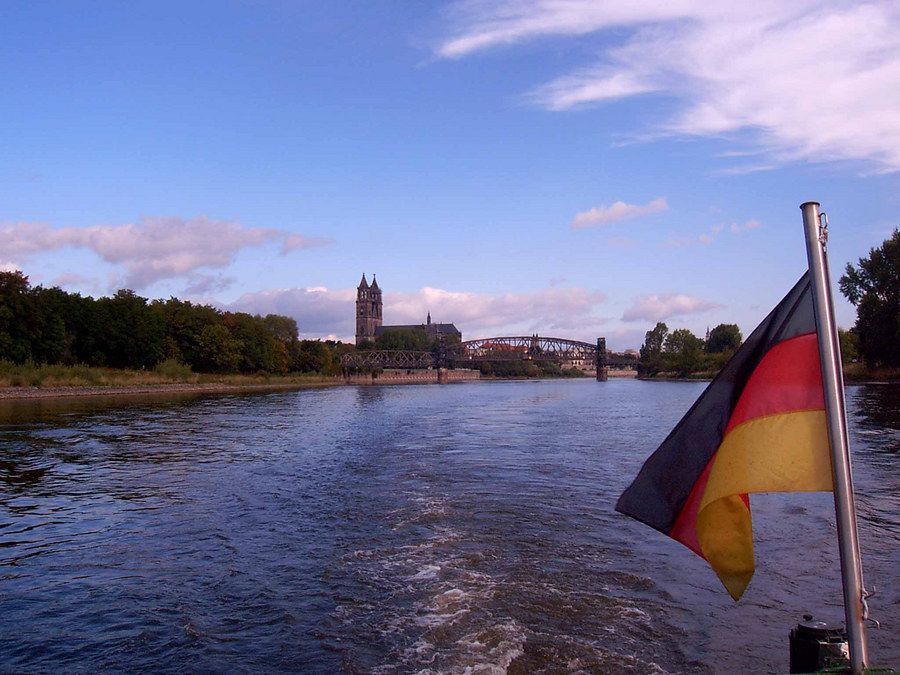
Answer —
473 352
532 348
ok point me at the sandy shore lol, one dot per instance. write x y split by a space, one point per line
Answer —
7 393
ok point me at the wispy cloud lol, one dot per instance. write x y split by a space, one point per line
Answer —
605 215
814 80
154 248
660 307
710 236
749 225
672 242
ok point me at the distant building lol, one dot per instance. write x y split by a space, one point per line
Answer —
369 317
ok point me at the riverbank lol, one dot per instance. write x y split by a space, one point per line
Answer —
7 393
855 373
29 381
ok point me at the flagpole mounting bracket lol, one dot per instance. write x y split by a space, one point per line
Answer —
865 606
823 229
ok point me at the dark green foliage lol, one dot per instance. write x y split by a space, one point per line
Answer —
683 351
726 337
366 345
50 326
317 357
412 340
849 346
256 342
652 359
283 328
15 310
874 287
132 332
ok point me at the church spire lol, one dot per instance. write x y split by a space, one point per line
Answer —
363 283
429 318
374 283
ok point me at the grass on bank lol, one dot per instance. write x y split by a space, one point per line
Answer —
167 372
858 372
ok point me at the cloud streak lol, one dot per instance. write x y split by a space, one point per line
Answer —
606 215
154 248
660 307
811 80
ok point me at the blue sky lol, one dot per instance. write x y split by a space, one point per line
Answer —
577 169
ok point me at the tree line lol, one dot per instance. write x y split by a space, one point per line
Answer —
50 326
683 353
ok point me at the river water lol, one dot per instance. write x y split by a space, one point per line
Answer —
410 529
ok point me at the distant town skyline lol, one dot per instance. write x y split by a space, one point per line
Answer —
569 168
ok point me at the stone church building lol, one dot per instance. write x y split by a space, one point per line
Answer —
369 316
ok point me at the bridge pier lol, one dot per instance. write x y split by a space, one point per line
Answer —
602 369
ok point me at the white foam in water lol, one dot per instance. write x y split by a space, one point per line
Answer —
488 651
427 572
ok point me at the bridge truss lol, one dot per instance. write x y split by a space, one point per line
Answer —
472 353
532 348
394 358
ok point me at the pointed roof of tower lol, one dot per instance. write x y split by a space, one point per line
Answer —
374 283
363 283
429 318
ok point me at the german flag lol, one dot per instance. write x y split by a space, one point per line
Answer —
760 426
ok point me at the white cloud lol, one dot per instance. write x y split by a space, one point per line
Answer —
9 267
659 307
749 225
604 215
815 80
320 312
154 248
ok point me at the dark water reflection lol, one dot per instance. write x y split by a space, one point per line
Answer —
459 529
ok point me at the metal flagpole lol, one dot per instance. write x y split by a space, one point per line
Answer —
833 381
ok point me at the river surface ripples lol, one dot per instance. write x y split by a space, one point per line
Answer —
461 529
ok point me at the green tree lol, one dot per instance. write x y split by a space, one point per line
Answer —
47 328
726 337
874 288
316 357
284 328
185 323
14 316
413 340
130 333
218 350
256 340
849 345
652 359
684 351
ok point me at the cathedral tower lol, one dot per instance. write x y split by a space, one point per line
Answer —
368 310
